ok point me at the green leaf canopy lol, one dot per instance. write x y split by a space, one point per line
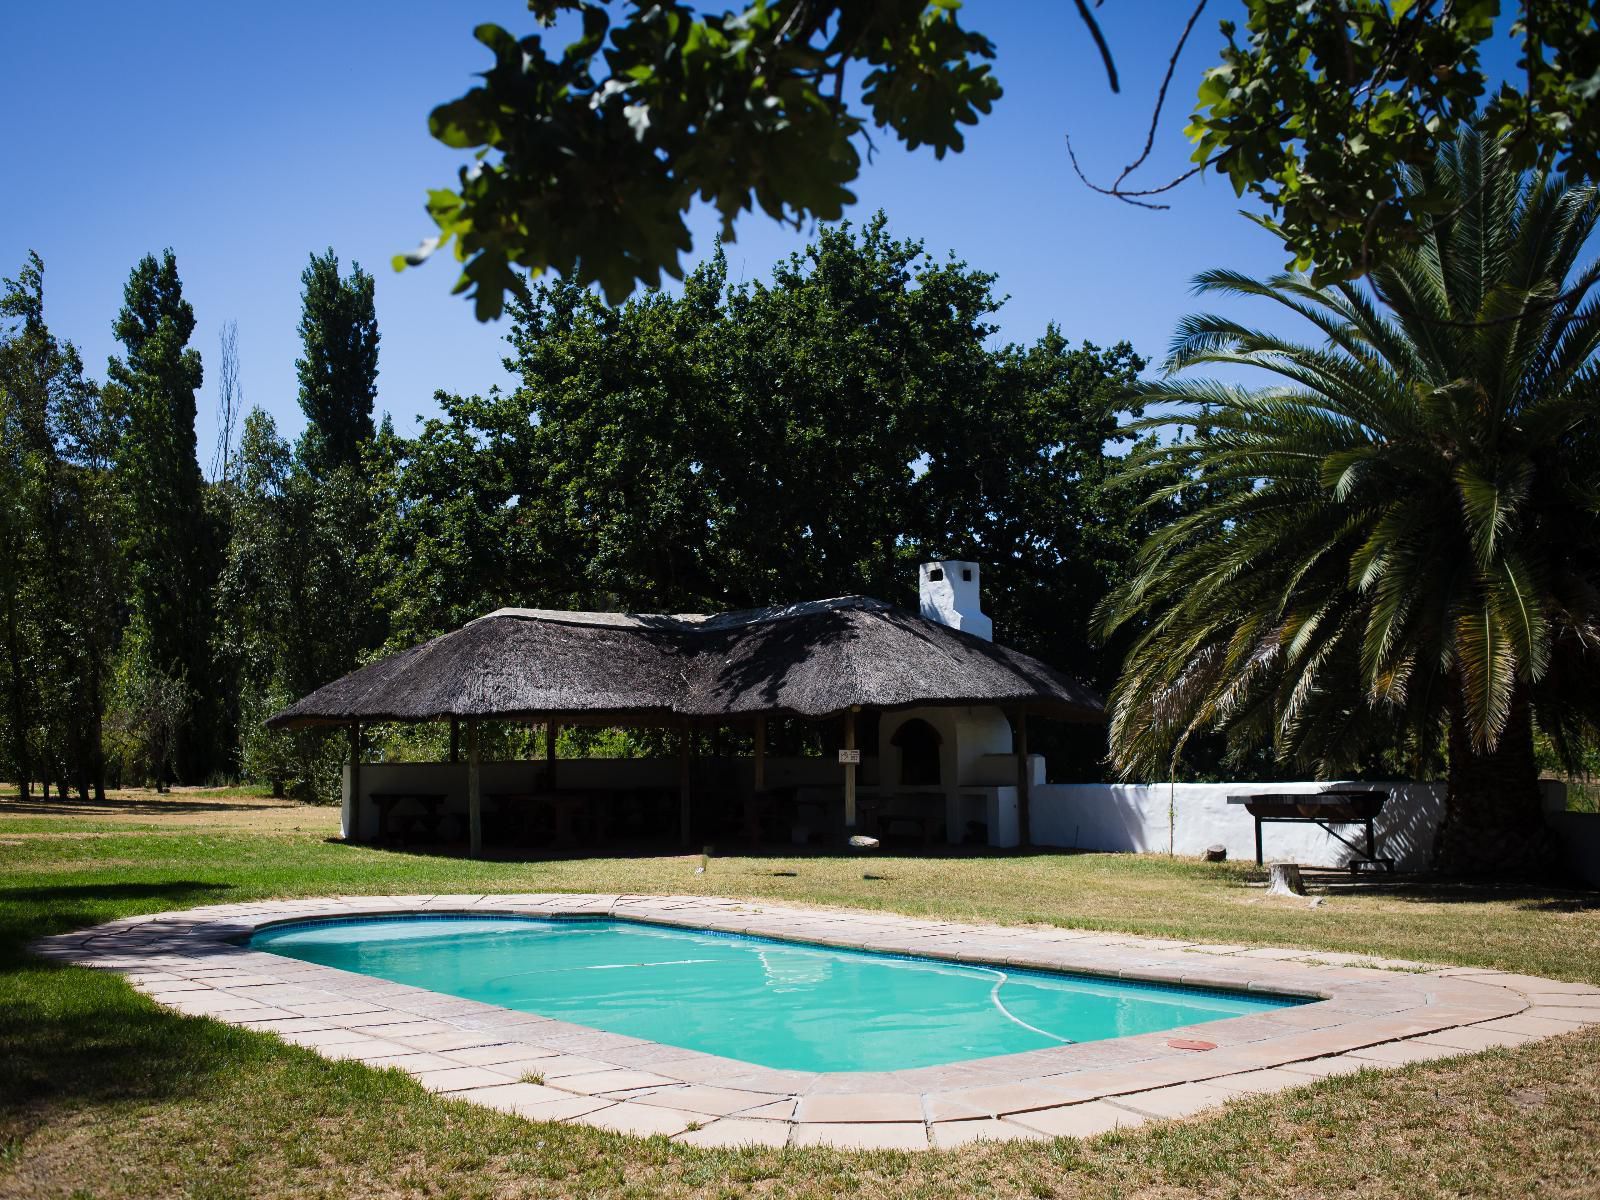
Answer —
1402 530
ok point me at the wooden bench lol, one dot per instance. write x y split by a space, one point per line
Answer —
920 812
404 823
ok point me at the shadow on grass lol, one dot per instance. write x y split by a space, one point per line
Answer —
1589 902
177 891
113 807
27 913
1432 889
728 850
69 1035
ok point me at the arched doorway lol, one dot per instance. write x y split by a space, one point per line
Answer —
919 744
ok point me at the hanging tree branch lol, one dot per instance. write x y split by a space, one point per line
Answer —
1100 43
1116 190
1161 97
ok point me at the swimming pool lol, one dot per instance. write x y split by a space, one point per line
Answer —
773 1003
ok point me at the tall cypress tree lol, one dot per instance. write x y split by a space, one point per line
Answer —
55 569
168 539
339 373
23 557
327 488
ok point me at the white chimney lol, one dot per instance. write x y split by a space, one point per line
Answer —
949 593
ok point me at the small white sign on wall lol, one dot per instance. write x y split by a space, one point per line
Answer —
849 756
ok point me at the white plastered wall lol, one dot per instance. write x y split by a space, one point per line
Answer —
1188 818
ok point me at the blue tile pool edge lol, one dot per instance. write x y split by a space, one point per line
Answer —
1155 980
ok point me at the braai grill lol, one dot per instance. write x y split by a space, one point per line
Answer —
1325 809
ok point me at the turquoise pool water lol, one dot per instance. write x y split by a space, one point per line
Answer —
777 1004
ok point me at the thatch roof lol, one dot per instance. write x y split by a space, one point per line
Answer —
808 660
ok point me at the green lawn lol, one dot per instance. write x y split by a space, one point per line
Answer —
103 1094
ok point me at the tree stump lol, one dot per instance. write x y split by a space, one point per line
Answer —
1216 854
1283 879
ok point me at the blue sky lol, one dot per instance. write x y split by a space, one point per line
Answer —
248 136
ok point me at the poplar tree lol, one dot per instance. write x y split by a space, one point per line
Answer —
339 372
325 494
22 560
168 539
57 561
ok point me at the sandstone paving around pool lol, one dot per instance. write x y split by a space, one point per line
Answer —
1366 1014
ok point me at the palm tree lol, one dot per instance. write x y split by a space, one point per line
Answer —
1397 543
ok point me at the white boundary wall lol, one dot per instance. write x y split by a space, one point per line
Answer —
1187 818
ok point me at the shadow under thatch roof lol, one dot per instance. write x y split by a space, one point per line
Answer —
811 660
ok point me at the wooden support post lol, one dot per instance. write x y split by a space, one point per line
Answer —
355 782
1024 782
761 754
474 793
684 742
550 729
850 771
455 739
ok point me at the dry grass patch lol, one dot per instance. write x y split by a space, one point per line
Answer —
244 810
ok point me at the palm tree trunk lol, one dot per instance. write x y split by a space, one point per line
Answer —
1494 821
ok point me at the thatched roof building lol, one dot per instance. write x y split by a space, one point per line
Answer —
810 660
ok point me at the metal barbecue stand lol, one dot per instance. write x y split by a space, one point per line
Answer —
1325 809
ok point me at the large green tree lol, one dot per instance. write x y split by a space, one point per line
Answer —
338 368
295 599
23 555
169 540
326 493
454 537
587 160
1403 531
1327 112
298 583
58 568
744 444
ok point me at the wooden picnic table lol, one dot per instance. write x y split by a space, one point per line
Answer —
566 808
428 819
1325 809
